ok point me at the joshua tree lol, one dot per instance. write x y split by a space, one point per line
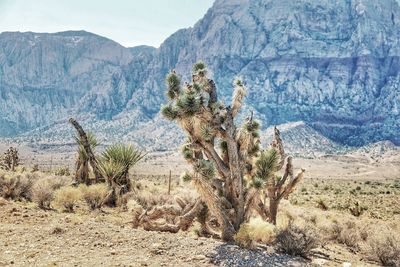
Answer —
85 143
10 160
82 161
232 181
115 164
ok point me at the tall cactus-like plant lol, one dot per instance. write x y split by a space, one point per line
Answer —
85 145
82 161
10 159
230 172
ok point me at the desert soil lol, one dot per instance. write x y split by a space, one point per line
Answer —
33 237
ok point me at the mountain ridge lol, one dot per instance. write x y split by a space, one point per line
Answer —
312 61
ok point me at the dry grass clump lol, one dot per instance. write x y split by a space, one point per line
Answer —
67 197
16 186
43 193
43 189
384 247
297 240
94 195
346 233
255 231
148 199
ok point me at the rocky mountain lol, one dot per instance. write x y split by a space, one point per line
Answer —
335 65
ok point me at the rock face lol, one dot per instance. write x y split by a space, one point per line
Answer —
333 64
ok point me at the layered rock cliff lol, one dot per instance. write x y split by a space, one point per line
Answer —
333 64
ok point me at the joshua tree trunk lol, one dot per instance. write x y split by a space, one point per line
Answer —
273 210
88 150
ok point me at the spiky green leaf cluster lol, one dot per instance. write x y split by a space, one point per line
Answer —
257 183
111 170
207 132
267 164
173 84
197 88
126 155
205 168
169 112
188 104
199 68
187 153
186 177
252 126
253 150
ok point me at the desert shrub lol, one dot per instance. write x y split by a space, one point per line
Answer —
256 230
94 195
384 247
35 168
67 197
349 235
356 210
148 199
16 187
346 233
62 171
43 193
296 240
321 204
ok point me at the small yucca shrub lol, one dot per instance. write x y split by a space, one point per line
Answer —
94 195
67 197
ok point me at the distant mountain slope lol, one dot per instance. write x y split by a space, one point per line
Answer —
335 65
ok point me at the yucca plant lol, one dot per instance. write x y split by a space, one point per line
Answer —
115 163
230 171
82 161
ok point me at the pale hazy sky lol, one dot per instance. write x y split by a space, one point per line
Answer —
129 22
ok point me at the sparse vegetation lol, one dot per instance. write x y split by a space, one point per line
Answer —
384 247
16 186
94 195
297 240
43 193
67 197
62 171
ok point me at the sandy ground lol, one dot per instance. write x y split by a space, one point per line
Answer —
32 237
